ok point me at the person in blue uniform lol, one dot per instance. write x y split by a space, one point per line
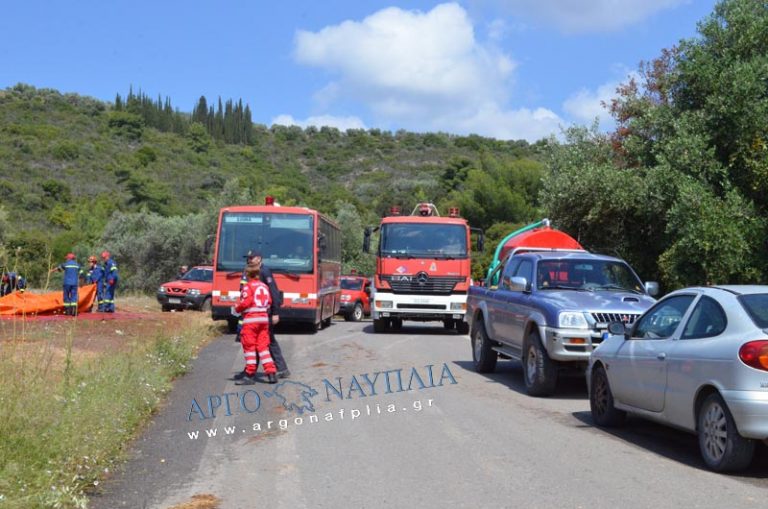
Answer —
11 282
111 277
71 270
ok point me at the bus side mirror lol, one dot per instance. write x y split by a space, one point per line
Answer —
367 240
480 238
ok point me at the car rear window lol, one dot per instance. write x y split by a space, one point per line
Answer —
756 305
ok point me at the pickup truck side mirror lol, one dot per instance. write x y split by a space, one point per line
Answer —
519 284
367 290
652 288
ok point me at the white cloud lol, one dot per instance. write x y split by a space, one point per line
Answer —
420 71
590 15
585 105
342 123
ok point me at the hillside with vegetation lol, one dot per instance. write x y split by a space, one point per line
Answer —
679 188
144 180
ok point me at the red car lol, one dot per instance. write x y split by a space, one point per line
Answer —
355 297
192 291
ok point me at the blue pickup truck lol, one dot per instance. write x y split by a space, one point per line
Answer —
550 310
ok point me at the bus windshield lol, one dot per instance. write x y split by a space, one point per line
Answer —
423 240
284 240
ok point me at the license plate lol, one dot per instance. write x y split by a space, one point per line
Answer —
174 301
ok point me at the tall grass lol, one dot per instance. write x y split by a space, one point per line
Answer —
65 419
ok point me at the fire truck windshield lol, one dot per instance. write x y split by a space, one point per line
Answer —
423 240
284 241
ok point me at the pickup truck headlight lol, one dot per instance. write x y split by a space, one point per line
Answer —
161 289
193 291
572 320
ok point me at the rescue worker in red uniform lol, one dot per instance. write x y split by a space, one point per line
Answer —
253 306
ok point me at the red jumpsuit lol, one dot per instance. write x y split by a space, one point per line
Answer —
254 304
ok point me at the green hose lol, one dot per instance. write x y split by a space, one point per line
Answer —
495 262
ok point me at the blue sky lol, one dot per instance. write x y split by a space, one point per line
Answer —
510 69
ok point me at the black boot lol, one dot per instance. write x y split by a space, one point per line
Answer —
272 378
247 380
284 373
240 375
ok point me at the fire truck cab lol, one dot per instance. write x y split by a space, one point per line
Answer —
423 268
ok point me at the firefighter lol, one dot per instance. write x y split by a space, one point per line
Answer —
274 314
12 282
95 275
110 282
253 306
71 270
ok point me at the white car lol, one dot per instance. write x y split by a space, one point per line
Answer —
697 360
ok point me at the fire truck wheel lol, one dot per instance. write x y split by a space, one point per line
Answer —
448 323
396 324
380 324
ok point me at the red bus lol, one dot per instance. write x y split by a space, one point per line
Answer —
300 245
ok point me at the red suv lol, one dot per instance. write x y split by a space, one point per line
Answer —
192 291
355 297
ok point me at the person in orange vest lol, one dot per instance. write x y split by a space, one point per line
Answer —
71 270
253 306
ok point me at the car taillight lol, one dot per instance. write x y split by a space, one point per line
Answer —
755 354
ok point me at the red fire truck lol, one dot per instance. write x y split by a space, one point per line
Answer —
301 246
422 268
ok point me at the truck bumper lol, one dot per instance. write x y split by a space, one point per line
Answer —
569 345
418 307
180 302
287 314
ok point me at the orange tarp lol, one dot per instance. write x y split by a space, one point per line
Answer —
26 303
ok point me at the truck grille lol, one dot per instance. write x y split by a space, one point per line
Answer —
606 318
422 284
420 306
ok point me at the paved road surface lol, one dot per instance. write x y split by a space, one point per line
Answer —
480 442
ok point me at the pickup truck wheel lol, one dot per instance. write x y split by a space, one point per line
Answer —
483 355
357 313
380 324
601 401
166 309
539 371
206 305
722 448
462 327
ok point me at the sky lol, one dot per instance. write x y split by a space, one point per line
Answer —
507 69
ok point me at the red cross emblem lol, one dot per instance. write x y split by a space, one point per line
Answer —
261 297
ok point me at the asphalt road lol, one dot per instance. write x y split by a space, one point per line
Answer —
478 442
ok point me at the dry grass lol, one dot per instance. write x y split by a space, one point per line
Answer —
74 391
